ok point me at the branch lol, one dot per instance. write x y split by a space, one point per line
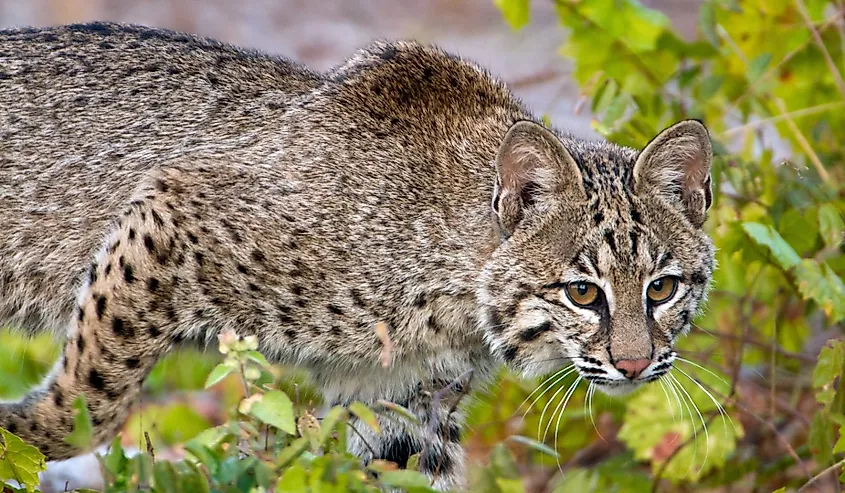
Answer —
819 475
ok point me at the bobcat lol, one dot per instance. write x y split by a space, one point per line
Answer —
157 187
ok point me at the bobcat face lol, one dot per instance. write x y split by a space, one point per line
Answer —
603 261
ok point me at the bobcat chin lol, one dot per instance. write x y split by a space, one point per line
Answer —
157 188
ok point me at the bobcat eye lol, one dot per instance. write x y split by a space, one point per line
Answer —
582 293
661 290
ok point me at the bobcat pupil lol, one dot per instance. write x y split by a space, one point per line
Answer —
582 288
657 285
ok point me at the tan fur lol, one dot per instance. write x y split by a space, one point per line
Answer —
156 187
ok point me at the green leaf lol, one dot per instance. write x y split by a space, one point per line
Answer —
275 409
821 439
831 226
510 485
257 357
330 422
219 372
405 479
19 461
707 22
758 65
400 410
294 480
83 431
292 451
819 283
766 236
533 444
516 12
366 415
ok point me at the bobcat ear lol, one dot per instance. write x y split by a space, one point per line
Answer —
676 165
533 168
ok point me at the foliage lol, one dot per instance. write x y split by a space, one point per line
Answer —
766 77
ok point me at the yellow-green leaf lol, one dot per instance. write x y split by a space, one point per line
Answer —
275 409
516 12
19 461
766 236
366 415
83 431
219 372
831 226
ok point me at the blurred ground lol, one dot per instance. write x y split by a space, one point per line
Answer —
322 33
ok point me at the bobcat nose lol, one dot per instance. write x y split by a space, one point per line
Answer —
632 368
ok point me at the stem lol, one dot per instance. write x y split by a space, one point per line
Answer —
819 475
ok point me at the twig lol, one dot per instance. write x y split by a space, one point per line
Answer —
831 65
150 449
372 450
802 141
819 475
812 110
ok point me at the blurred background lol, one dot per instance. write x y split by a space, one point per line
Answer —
764 75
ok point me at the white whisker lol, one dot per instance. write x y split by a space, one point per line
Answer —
703 425
560 415
668 400
719 407
562 403
545 408
674 384
693 363
545 383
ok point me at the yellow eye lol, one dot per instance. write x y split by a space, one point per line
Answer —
582 293
661 290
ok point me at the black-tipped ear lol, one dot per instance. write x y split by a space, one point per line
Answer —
676 165
533 168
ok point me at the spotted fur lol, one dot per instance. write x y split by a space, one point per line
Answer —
158 188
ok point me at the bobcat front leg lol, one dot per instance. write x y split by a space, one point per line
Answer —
124 324
435 436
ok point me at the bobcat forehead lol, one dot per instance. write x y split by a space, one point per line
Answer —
185 186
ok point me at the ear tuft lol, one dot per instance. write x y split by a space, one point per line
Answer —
533 168
676 165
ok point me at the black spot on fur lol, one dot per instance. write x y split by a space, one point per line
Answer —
608 237
297 289
242 269
101 306
80 344
509 352
153 331
80 314
699 278
161 186
357 300
598 217
399 450
157 218
58 397
96 380
132 362
335 309
149 244
532 333
108 269
193 238
253 287
388 53
432 323
258 256
121 328
496 323
152 284
128 274
420 300
131 234
635 215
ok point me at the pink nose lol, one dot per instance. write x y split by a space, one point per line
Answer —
632 368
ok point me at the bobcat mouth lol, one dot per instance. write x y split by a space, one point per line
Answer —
612 385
